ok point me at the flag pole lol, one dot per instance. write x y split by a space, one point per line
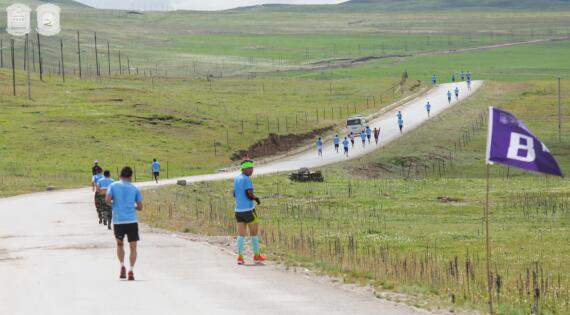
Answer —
486 211
488 245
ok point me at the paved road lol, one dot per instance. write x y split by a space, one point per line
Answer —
55 260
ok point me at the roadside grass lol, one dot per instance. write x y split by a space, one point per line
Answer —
415 233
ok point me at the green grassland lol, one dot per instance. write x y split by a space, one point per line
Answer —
406 218
409 217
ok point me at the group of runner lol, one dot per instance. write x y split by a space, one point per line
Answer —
365 135
117 202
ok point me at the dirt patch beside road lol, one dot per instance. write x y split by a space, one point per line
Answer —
276 144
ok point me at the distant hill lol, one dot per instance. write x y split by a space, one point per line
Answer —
404 5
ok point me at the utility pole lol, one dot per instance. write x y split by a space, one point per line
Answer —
79 54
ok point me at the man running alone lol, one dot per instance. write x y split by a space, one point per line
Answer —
428 108
123 196
401 124
449 97
456 93
245 214
155 169
319 147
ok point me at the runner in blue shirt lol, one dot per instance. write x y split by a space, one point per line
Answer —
345 145
319 147
363 137
428 108
462 75
105 211
94 179
399 115
456 92
434 79
126 200
245 214
368 133
336 142
449 97
155 169
453 77
468 75
469 84
401 124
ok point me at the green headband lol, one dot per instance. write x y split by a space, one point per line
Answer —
247 164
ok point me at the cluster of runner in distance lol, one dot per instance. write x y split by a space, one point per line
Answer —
367 132
117 202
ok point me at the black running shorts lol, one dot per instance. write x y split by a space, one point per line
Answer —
156 174
247 217
129 229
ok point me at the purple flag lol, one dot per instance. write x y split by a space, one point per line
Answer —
510 142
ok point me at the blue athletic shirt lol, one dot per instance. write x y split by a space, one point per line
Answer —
428 106
155 167
345 143
105 182
319 144
363 135
400 122
242 183
96 178
368 131
336 140
124 195
448 94
399 115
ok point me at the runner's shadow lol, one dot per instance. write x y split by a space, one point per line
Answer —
253 265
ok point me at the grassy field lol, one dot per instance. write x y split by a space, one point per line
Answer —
408 218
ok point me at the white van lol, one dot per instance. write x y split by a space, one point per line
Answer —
356 124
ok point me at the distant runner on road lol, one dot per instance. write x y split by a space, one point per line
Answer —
399 115
351 136
336 142
428 108
105 211
94 179
469 84
376 135
456 93
363 138
468 75
368 133
434 79
245 214
155 170
345 146
462 75
453 77
401 124
123 196
449 97
319 147
95 167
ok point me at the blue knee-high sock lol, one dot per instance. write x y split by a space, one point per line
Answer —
240 245
255 245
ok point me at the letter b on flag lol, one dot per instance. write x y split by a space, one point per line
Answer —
521 148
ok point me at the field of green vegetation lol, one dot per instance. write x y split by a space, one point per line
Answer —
407 218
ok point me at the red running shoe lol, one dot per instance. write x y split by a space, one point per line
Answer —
240 260
131 276
258 258
123 274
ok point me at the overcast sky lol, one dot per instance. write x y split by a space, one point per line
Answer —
191 4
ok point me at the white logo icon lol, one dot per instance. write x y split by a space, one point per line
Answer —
48 19
18 19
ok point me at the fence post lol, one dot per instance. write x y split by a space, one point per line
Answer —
13 67
62 64
97 57
79 54
167 168
40 61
